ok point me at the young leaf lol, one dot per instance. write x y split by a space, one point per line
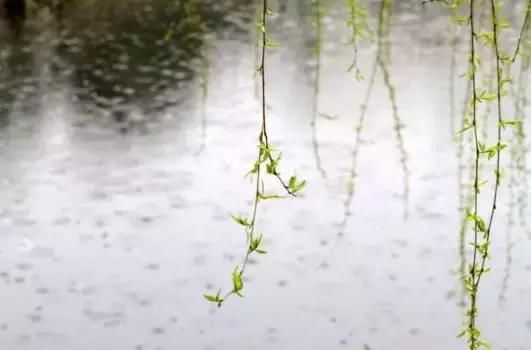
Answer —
237 280
211 298
292 181
269 196
254 170
465 128
240 220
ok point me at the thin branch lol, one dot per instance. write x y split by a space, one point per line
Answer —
473 293
263 139
499 139
523 30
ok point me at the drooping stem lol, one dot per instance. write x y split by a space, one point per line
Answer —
265 163
482 231
263 140
466 196
257 55
473 332
499 78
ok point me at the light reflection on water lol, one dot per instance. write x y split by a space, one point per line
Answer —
112 226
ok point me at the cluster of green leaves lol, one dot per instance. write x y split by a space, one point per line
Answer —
267 162
269 158
491 151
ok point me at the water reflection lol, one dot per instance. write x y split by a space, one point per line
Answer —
138 56
15 13
116 55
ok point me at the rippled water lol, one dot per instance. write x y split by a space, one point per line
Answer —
118 170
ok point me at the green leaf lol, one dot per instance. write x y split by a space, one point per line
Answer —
211 298
465 128
269 196
254 169
295 186
241 220
513 122
292 182
505 81
462 333
237 280
300 186
484 96
255 243
272 165
481 224
270 44
261 26
260 251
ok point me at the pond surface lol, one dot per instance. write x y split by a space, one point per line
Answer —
118 169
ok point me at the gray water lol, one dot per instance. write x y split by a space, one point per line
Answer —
117 174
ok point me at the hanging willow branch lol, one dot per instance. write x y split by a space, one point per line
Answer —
267 160
499 146
482 231
471 330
